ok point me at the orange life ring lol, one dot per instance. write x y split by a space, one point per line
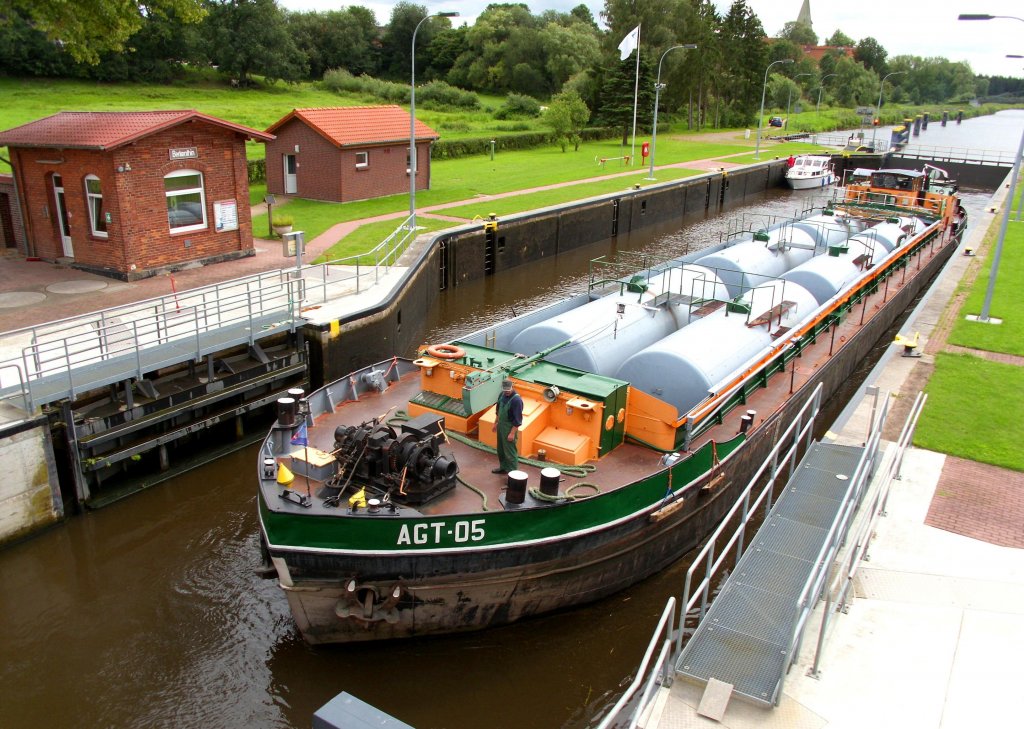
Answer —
446 351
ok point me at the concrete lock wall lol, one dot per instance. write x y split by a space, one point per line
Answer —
393 327
29 496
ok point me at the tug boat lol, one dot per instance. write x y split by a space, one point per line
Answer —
810 171
650 399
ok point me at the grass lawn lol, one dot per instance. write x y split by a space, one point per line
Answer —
468 177
368 236
546 198
778 150
1007 303
974 411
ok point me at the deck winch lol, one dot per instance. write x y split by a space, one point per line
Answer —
411 465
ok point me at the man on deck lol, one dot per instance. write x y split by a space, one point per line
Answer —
509 418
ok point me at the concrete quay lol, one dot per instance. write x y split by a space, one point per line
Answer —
935 627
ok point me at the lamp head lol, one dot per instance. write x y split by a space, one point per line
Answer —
449 14
974 16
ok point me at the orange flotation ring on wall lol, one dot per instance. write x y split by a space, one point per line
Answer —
446 351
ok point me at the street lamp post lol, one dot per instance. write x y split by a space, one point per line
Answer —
878 109
412 118
990 290
817 110
657 92
760 117
789 99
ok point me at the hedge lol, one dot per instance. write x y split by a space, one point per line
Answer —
456 148
257 170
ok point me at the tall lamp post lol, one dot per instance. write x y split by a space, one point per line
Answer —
412 118
789 98
878 109
990 290
657 91
817 110
760 117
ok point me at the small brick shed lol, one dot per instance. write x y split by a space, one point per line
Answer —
346 153
133 194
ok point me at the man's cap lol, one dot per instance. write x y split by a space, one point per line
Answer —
506 384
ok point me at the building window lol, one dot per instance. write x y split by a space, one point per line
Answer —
186 201
362 160
94 201
408 162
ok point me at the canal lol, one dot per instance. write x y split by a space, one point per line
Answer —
148 613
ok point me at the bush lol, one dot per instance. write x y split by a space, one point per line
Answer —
339 80
283 219
518 106
456 148
440 95
256 170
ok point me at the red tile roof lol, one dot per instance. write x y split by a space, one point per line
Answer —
105 130
347 126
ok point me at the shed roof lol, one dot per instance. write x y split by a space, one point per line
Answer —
104 130
351 126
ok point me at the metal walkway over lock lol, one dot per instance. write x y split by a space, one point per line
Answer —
746 639
65 358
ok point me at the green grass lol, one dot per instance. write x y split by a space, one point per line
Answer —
1007 302
974 411
778 150
547 198
370 235
468 177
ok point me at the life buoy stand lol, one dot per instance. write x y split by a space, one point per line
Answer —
446 351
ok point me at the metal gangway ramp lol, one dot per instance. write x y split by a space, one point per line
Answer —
751 634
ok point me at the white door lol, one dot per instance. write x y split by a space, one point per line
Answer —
290 185
62 217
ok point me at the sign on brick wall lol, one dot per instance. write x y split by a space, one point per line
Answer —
183 153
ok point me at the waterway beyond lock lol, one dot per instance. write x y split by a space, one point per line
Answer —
148 613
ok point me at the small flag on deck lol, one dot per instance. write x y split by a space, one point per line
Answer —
300 437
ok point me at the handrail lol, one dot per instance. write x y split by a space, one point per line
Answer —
646 677
843 579
259 305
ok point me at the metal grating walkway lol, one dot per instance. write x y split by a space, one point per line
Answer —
745 637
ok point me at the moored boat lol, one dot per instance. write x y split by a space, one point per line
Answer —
649 400
811 171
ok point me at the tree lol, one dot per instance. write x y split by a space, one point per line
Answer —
88 28
566 116
617 94
854 84
396 43
799 33
871 54
336 39
246 37
744 60
839 38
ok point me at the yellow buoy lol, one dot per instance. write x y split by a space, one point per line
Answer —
284 476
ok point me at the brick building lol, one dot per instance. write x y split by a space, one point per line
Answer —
346 153
132 194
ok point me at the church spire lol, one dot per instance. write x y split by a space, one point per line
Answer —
805 14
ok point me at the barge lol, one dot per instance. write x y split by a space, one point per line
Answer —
648 401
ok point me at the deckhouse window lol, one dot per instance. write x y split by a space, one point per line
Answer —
94 201
186 200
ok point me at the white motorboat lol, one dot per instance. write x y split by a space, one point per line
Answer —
810 171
